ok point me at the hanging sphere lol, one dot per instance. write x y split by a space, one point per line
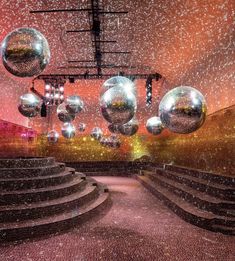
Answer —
118 81
183 110
52 136
25 52
81 127
118 106
154 125
63 114
113 128
96 133
68 130
130 128
29 105
74 104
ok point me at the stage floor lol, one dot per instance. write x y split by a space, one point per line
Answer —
137 227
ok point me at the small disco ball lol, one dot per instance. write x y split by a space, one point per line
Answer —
96 133
81 127
25 52
154 125
52 136
130 128
63 114
29 105
183 110
68 130
118 81
118 106
74 104
113 128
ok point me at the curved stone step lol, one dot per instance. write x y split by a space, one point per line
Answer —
218 190
56 223
200 199
50 207
40 194
37 182
187 211
28 172
26 162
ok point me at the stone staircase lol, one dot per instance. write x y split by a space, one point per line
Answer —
39 196
204 199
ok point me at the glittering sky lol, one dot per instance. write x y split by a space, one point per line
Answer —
188 42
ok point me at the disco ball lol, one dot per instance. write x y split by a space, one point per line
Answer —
29 105
118 106
118 81
74 104
63 114
154 125
68 130
113 128
52 136
111 142
130 128
183 110
96 133
81 127
25 52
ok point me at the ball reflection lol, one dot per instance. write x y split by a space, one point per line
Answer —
154 125
74 104
96 133
52 136
183 110
29 105
25 52
68 130
81 127
130 128
63 114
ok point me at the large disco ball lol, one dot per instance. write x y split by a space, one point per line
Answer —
25 52
81 127
183 110
118 81
154 125
113 128
52 136
130 128
68 130
74 104
29 105
63 114
118 106
96 133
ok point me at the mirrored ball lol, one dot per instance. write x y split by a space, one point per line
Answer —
118 106
154 125
183 110
63 114
25 52
68 130
96 133
130 128
81 127
52 136
113 128
74 104
29 105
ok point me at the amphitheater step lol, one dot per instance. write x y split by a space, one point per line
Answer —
40 194
56 223
189 212
200 199
26 162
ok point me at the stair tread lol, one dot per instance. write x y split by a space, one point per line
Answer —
88 189
76 212
201 195
32 168
77 179
182 203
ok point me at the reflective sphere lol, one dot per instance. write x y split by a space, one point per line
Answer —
68 130
130 128
25 52
111 142
81 127
96 133
118 106
183 110
52 136
63 114
29 105
154 125
74 104
118 81
113 128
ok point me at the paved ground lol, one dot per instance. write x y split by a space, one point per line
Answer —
137 227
